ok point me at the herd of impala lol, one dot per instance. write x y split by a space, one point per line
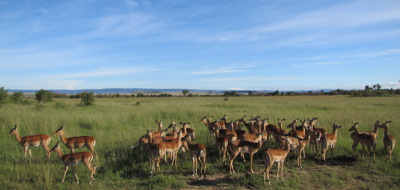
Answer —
230 138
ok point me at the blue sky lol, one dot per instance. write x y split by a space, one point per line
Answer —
207 44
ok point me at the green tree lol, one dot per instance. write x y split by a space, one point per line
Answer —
87 98
44 96
16 97
184 92
3 95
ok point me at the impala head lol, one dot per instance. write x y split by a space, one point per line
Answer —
224 117
354 127
304 123
172 124
59 130
159 122
386 124
185 124
57 146
336 125
312 121
204 119
13 131
280 122
293 124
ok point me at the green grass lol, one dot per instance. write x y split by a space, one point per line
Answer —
117 124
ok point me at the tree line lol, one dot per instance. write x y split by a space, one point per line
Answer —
88 98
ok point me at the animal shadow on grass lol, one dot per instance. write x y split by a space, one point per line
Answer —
336 161
128 163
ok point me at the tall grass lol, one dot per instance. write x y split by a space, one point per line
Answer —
117 124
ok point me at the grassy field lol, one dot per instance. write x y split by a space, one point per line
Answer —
117 123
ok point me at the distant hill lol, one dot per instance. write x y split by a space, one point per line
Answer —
136 90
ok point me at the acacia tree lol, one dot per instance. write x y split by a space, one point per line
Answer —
44 96
184 92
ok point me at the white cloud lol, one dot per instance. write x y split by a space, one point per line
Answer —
223 70
131 3
102 72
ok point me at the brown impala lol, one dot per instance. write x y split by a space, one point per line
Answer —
33 140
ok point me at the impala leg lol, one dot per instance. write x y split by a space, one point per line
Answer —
277 173
76 176
242 155
193 166
65 172
30 153
45 146
251 162
354 146
25 151
231 169
282 163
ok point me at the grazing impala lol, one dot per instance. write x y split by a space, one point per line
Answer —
198 153
389 141
276 155
33 140
329 141
365 140
74 159
76 142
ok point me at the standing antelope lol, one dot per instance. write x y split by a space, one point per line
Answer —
276 155
33 140
240 146
365 140
167 147
329 140
389 141
207 123
76 142
198 153
74 159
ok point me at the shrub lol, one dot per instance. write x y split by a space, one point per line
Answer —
87 98
16 97
44 96
3 95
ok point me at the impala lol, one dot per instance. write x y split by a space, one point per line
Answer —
74 159
240 146
278 156
33 140
198 153
169 147
389 141
297 144
222 143
76 142
207 123
365 139
249 126
329 141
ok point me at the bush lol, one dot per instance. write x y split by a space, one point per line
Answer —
44 96
3 96
87 98
16 97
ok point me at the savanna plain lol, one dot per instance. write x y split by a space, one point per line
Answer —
118 123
